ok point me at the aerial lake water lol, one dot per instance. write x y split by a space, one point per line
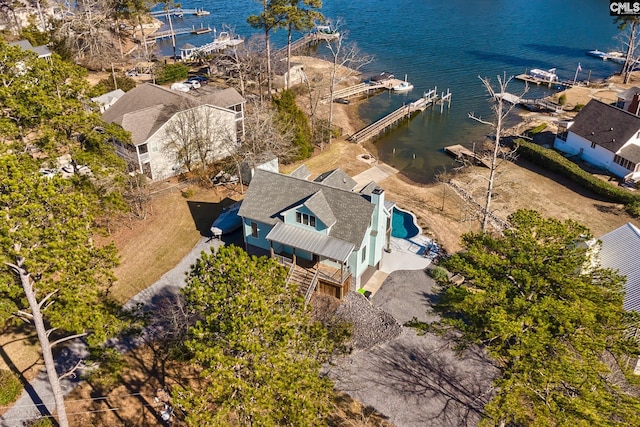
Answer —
447 45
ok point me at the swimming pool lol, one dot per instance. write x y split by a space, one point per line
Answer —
403 224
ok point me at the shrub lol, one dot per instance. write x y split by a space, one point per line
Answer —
10 387
439 274
41 422
169 73
538 129
562 100
553 161
578 107
106 85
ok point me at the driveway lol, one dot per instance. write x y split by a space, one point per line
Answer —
416 380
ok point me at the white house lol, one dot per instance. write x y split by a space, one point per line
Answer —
156 116
604 136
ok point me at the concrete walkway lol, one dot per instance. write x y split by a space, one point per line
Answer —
37 401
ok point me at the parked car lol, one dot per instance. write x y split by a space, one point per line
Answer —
342 101
131 73
180 87
200 79
192 84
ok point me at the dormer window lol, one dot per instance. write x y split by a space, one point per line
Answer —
306 219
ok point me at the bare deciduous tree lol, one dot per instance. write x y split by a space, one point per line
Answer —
347 57
500 111
265 136
197 137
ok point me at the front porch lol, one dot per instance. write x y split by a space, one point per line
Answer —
313 275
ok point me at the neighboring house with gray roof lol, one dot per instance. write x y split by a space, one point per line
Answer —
41 51
159 119
620 250
337 233
604 136
108 99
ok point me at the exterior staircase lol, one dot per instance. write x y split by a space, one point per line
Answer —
306 279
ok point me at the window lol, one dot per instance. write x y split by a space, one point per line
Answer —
142 149
627 164
364 253
254 230
306 219
593 145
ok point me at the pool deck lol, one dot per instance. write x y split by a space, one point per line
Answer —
405 254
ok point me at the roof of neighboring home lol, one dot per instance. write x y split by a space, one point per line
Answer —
42 51
337 178
628 93
606 125
631 152
621 251
272 193
301 172
108 97
145 108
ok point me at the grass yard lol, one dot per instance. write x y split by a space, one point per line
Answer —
149 248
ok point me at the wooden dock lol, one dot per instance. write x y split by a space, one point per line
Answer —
221 43
464 154
530 104
429 99
179 12
351 91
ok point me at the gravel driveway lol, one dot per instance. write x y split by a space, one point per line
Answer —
414 380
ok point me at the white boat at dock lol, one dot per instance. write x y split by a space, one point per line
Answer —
404 86
597 54
613 56
548 76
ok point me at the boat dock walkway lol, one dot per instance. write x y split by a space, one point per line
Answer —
179 12
356 90
464 154
219 44
530 104
161 35
429 99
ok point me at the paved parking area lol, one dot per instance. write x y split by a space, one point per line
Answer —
416 380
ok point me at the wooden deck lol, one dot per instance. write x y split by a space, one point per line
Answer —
464 154
353 91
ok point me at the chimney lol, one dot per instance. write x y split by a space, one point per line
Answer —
634 106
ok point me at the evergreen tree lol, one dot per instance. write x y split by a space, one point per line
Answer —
549 318
257 351
58 279
290 116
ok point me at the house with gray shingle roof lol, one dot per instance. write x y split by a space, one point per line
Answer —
41 51
604 136
337 234
620 250
159 119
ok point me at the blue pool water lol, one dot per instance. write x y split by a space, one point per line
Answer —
403 225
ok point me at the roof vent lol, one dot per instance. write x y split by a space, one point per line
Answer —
593 133
613 140
611 129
